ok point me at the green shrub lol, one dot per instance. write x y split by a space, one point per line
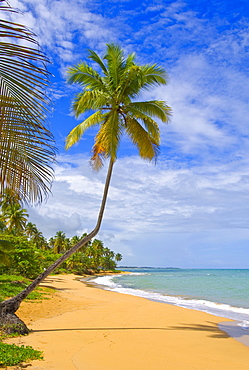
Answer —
26 259
11 285
10 354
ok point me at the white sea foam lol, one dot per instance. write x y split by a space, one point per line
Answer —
222 310
244 325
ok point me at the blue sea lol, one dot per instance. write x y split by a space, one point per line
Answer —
222 293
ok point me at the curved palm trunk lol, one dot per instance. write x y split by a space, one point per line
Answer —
9 322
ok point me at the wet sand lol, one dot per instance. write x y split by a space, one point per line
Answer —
86 328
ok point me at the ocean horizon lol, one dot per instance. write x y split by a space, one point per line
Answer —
221 292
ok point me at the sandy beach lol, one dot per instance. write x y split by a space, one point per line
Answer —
86 328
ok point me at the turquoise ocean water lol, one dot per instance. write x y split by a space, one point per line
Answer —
223 292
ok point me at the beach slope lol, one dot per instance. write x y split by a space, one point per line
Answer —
86 328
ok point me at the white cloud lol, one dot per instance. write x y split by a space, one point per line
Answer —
144 200
63 28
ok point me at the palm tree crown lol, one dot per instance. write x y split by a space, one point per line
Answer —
16 218
112 95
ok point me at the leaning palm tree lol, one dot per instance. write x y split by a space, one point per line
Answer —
112 94
26 145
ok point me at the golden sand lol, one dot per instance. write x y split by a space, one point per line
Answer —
85 328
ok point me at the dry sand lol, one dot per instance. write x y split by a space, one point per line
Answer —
86 328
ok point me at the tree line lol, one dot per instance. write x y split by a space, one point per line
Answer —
24 250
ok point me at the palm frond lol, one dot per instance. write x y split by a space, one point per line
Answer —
97 156
129 84
89 100
109 135
97 59
153 75
150 125
147 147
86 76
77 132
24 164
23 109
153 108
116 64
130 60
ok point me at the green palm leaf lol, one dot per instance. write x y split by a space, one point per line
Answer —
89 100
153 75
96 58
148 147
149 124
154 108
79 130
26 145
86 76
115 64
109 135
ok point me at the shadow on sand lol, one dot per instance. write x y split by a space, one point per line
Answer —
210 327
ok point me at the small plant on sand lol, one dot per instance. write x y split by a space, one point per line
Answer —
13 284
11 354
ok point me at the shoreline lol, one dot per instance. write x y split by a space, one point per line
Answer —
218 311
85 328
232 328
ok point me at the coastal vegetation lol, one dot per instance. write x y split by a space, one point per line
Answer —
11 354
109 94
25 251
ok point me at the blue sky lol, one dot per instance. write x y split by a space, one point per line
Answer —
192 209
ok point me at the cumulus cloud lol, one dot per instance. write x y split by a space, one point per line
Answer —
144 200
63 28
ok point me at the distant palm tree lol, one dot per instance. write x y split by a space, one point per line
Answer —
118 257
26 145
95 252
51 242
15 218
36 236
75 239
59 241
113 96
40 241
75 261
8 198
30 230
